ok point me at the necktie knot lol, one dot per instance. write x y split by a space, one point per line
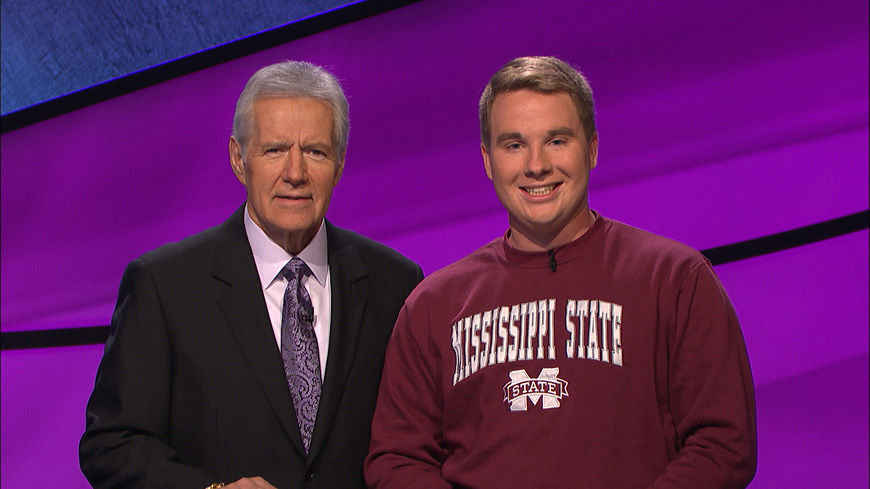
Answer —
295 269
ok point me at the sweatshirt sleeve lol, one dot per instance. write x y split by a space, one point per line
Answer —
406 444
712 398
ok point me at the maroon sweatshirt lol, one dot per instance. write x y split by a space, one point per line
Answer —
616 361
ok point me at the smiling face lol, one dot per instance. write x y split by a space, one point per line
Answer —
289 168
539 162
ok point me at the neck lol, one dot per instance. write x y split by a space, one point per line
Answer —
292 242
524 239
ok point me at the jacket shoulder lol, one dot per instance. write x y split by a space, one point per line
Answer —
373 253
197 250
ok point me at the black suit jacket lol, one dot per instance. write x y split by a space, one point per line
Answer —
191 388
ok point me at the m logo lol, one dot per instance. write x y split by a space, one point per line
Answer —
523 388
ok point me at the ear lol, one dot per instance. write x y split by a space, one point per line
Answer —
593 151
339 170
487 164
236 160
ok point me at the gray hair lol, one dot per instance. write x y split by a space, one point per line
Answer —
544 74
290 79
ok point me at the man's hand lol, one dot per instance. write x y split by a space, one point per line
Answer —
250 483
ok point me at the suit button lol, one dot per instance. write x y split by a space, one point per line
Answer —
309 475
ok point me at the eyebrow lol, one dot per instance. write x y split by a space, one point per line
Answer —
317 144
275 143
508 135
559 131
282 143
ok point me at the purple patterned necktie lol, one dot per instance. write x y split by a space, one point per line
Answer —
299 348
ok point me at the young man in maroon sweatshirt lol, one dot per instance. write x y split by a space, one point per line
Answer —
574 351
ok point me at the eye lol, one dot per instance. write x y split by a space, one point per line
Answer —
513 146
273 152
559 142
315 154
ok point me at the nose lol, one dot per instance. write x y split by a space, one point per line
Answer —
294 167
537 163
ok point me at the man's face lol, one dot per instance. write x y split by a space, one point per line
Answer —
289 168
539 162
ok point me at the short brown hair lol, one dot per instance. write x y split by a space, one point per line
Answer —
544 74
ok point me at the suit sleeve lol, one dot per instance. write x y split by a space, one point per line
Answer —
126 440
712 398
406 449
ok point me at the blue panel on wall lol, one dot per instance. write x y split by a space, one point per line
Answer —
53 48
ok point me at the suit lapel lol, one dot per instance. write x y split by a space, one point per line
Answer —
349 296
244 307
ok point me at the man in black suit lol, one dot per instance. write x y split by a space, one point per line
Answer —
198 383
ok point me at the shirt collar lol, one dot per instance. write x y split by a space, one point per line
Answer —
270 258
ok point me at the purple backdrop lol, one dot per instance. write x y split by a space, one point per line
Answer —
719 122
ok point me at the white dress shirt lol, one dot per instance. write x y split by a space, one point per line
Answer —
270 258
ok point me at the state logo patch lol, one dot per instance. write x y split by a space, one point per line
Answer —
523 388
